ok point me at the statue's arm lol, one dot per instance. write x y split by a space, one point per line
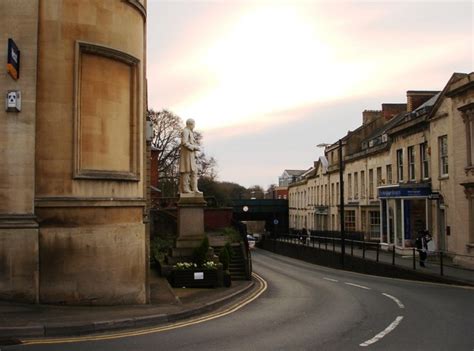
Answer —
185 141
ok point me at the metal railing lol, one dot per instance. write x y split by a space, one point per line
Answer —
437 262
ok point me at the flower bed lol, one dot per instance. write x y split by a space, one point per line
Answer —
185 274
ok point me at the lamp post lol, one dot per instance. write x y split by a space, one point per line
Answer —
341 205
341 199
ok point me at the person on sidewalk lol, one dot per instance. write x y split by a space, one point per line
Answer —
422 246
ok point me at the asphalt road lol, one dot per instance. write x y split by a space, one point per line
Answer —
308 307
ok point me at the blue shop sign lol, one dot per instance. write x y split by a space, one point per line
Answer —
404 192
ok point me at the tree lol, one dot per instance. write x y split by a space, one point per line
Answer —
166 139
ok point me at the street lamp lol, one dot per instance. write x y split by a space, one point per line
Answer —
341 199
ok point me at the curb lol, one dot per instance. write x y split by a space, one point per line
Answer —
9 334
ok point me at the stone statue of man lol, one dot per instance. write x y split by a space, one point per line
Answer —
187 160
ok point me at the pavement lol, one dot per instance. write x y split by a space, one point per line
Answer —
19 320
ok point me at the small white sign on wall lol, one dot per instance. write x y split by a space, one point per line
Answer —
198 275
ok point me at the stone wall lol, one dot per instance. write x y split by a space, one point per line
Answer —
18 228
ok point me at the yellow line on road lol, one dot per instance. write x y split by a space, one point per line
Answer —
231 309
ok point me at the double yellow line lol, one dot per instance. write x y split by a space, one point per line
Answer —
125 334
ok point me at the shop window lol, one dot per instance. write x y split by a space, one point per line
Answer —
425 169
400 165
349 220
411 163
443 155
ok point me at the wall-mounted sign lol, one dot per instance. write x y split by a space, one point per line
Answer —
404 192
198 275
13 59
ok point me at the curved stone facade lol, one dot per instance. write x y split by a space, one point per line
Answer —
88 169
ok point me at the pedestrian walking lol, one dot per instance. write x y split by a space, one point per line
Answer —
421 243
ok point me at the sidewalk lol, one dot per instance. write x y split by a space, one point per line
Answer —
167 305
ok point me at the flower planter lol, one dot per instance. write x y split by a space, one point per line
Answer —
195 278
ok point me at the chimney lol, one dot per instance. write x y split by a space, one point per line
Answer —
416 98
391 110
369 116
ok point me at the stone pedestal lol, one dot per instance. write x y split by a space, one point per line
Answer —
190 226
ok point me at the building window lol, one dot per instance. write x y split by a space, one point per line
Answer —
371 183
374 224
400 165
356 185
326 194
425 169
443 155
389 174
349 186
332 194
337 193
362 184
411 163
379 176
349 220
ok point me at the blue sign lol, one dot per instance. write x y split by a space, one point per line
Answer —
404 192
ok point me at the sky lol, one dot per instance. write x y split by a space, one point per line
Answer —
266 80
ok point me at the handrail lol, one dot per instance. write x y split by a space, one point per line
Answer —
435 258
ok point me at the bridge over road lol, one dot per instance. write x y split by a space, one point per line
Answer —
273 212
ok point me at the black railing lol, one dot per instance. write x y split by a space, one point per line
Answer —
437 262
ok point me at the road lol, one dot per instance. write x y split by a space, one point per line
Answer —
308 307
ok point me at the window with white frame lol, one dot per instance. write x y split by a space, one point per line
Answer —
379 176
443 155
356 185
400 165
371 183
425 169
332 194
349 186
374 224
411 163
389 174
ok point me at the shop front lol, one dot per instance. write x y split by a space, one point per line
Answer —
405 211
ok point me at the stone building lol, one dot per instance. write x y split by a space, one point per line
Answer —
452 167
407 168
72 181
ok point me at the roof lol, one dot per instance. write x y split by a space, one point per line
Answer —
294 172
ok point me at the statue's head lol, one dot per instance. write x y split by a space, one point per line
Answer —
190 123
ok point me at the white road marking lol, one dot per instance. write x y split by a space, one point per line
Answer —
380 335
397 301
331 280
358 286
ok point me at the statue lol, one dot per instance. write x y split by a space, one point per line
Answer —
187 161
